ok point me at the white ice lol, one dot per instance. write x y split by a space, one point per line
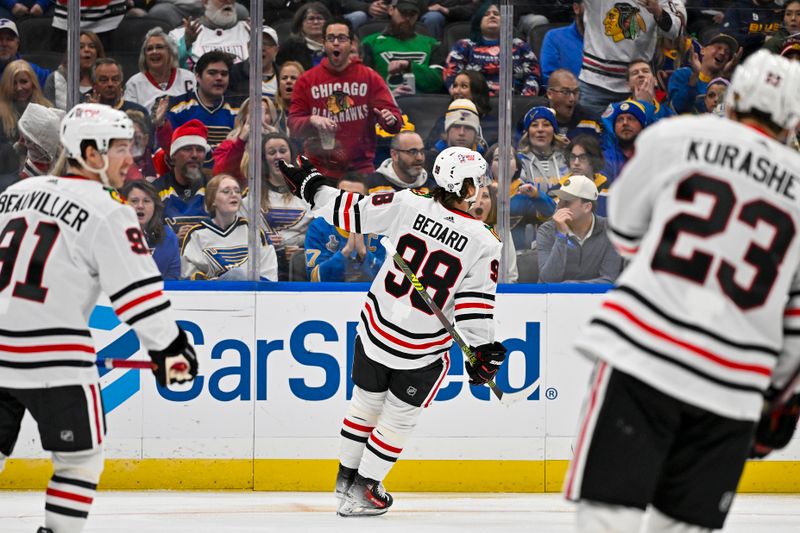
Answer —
235 512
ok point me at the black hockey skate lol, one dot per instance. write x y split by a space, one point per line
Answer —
365 497
44 530
344 480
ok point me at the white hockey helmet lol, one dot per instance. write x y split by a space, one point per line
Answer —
94 122
455 164
768 83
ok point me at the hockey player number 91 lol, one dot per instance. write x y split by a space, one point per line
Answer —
696 267
31 288
438 272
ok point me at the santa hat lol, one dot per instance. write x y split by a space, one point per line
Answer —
193 133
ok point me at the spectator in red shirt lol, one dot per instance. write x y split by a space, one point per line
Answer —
336 105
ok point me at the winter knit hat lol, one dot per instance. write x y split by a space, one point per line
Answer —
41 125
462 112
538 112
631 107
193 133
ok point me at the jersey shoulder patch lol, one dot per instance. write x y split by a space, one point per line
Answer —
115 195
425 193
493 232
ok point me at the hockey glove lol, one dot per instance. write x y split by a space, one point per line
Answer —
177 363
303 180
488 358
776 426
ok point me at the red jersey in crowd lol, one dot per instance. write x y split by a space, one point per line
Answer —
349 98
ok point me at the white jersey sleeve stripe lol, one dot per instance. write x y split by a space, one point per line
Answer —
139 300
150 312
135 285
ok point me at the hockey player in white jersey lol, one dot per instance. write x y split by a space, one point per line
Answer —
402 351
63 241
703 330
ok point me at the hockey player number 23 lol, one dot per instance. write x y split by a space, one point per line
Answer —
437 271
696 267
10 243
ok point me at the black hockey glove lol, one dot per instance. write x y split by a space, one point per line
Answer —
776 426
488 358
303 180
177 363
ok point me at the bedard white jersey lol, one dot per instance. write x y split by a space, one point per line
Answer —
708 310
62 242
455 256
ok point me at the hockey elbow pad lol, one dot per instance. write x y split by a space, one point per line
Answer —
303 180
776 427
488 358
177 363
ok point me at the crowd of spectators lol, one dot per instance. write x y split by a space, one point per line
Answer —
371 92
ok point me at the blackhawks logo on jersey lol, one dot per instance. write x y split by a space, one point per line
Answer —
338 102
623 21
115 195
491 228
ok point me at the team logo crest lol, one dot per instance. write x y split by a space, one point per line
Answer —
411 391
67 435
116 196
333 244
623 21
338 102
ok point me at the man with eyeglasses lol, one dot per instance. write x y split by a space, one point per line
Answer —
563 94
336 105
399 51
404 169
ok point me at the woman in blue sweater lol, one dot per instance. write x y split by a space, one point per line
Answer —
161 240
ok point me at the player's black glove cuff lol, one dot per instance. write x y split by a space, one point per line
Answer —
303 180
776 427
488 358
179 347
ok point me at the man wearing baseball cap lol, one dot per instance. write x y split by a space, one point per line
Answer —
573 245
9 50
400 51
718 57
240 72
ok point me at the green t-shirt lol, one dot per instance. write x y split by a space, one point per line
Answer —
383 49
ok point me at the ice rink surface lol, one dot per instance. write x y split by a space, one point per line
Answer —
239 512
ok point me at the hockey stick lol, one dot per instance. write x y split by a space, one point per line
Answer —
507 398
110 362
